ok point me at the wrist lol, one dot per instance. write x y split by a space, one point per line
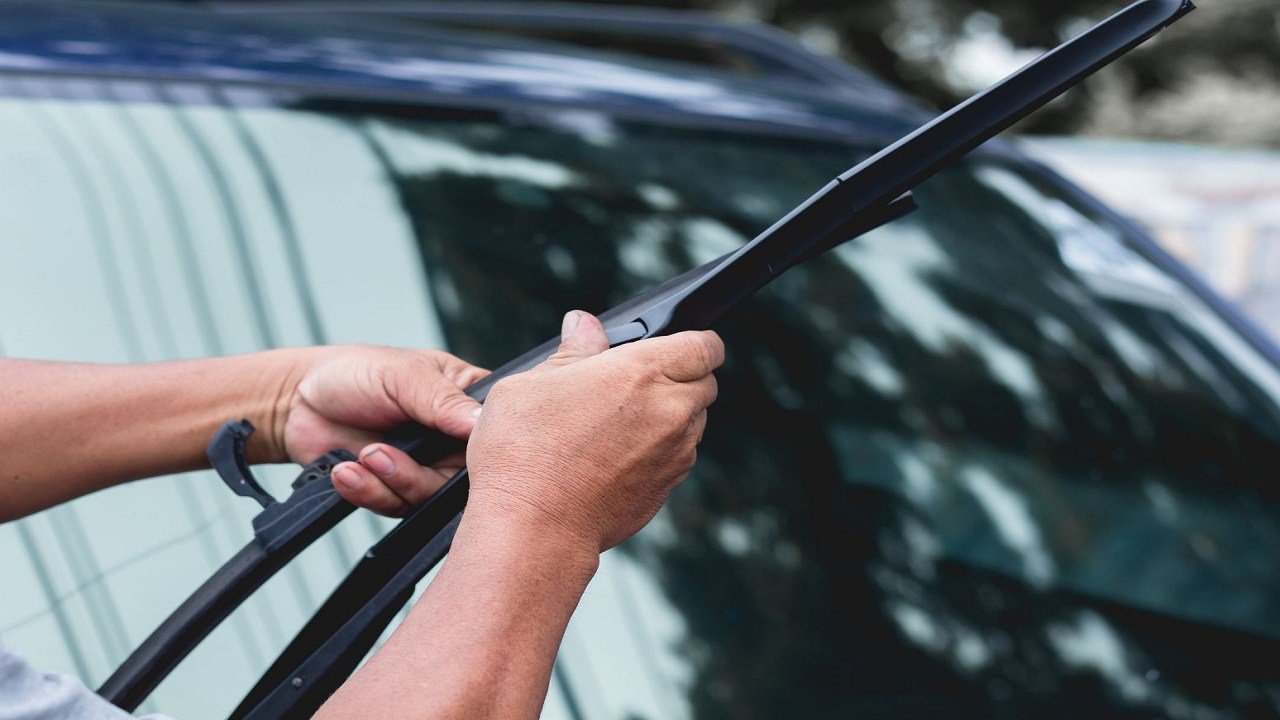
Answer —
491 522
274 396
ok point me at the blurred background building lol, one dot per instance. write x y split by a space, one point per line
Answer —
1198 113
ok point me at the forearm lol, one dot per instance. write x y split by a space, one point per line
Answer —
482 640
70 429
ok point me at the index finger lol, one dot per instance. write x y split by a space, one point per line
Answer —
682 357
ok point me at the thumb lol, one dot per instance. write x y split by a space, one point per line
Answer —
581 336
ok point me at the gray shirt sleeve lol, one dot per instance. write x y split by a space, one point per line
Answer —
28 694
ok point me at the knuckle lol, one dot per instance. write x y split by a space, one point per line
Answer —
643 360
697 347
675 413
687 345
690 400
380 377
708 349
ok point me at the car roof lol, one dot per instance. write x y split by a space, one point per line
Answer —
726 43
344 60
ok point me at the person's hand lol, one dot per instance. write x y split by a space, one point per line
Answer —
566 460
589 444
345 396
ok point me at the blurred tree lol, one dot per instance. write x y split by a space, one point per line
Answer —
1213 78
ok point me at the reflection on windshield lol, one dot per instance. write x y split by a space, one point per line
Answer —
986 461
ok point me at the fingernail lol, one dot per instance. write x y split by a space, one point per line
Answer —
476 413
569 324
348 477
379 462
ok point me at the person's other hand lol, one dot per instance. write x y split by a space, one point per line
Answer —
343 397
589 444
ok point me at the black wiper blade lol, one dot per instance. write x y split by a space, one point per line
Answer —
281 531
284 529
329 647
876 191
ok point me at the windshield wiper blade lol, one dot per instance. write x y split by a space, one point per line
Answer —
338 635
286 528
329 647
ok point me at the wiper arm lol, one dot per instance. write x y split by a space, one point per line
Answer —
340 633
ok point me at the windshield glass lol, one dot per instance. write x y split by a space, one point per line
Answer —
990 441
986 461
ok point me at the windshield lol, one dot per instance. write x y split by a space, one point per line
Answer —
990 441
986 461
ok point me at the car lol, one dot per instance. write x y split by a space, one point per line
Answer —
1001 458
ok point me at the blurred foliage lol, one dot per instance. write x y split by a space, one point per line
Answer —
1213 77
